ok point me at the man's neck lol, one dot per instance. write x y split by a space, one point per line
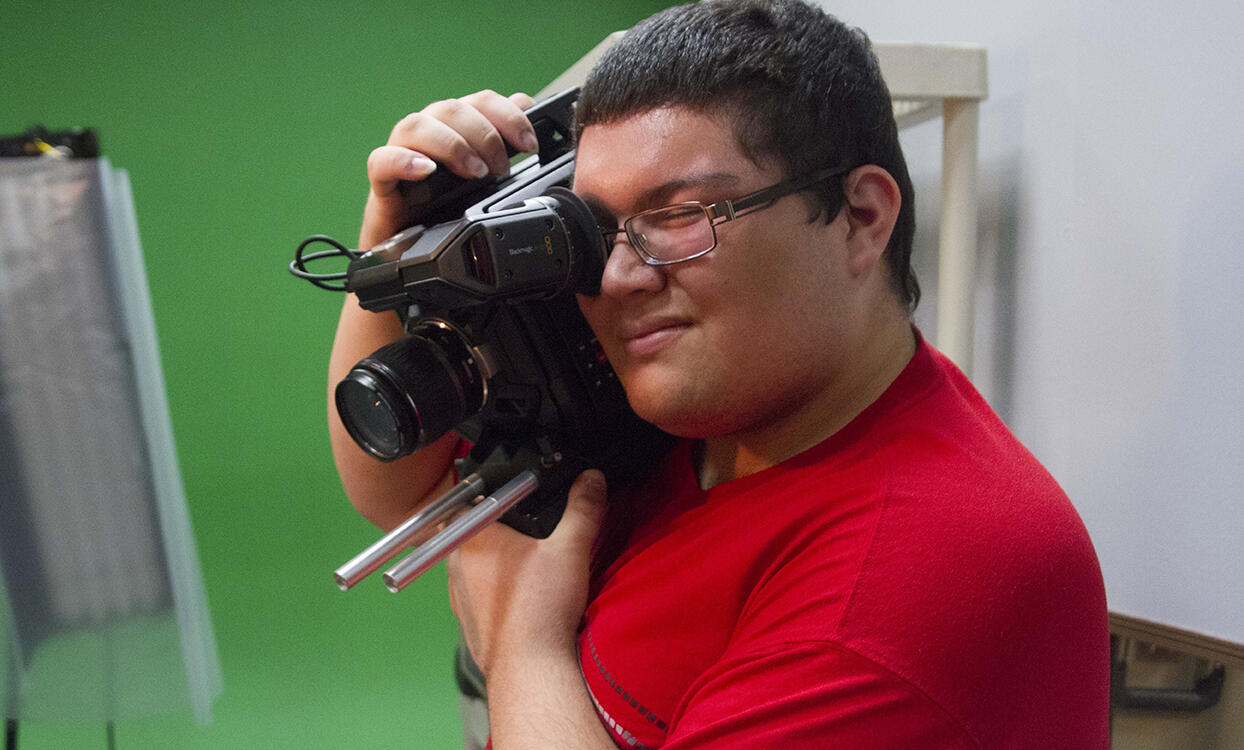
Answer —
719 459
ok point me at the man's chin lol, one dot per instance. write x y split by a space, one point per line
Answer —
681 416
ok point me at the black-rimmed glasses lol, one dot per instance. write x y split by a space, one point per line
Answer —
682 231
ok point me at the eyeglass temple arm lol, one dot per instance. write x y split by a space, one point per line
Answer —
730 210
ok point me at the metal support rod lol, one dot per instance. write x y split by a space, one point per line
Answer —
461 529
411 532
957 241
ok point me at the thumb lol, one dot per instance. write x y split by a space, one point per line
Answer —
585 509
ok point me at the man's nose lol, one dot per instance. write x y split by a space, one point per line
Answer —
626 272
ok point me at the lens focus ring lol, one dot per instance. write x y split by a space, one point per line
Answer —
409 393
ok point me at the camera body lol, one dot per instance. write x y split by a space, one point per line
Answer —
495 346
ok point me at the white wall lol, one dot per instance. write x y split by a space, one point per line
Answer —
1109 327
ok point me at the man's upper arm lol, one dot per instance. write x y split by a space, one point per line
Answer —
810 695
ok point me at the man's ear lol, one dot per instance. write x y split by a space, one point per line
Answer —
872 201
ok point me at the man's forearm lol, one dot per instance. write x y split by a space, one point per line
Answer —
541 701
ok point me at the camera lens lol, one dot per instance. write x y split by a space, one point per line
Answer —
409 393
373 419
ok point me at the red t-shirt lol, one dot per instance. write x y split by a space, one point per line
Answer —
917 580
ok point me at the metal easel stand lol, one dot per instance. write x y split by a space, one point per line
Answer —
950 81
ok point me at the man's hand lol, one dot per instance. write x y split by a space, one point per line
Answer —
466 135
520 601
519 597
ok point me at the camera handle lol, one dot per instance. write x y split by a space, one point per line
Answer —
444 196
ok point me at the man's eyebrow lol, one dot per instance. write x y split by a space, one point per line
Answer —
660 195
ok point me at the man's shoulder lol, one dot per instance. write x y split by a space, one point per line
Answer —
972 531
938 442
977 554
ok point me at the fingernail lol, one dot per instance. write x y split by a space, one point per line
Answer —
476 167
528 142
421 166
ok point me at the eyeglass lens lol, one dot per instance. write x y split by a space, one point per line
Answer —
673 232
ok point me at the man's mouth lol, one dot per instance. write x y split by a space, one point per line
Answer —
650 335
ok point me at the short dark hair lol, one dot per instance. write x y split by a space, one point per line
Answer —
798 85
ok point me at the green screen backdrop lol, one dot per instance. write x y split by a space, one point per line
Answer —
245 127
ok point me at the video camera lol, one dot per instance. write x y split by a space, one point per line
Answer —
495 349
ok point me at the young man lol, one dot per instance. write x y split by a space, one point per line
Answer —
848 548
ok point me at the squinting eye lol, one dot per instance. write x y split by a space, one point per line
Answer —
677 217
682 212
